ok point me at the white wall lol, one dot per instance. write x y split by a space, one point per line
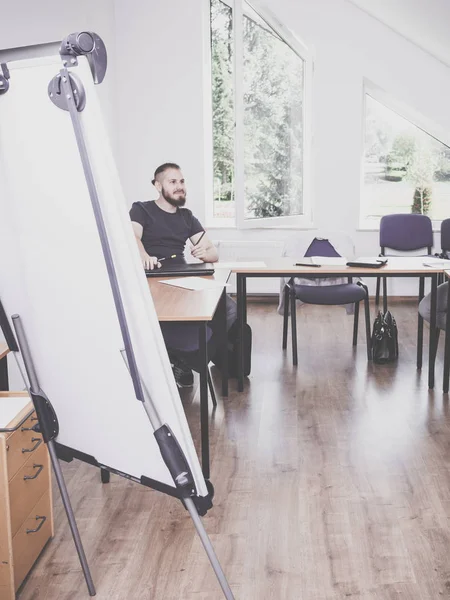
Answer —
424 22
160 101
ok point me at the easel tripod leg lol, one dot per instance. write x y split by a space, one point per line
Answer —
209 549
70 517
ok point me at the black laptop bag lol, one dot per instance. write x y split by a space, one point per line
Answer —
233 351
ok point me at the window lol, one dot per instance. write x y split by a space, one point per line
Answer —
258 106
406 169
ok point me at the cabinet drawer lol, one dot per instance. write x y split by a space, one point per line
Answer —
27 486
20 445
27 546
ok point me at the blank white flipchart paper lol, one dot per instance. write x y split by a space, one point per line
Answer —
52 273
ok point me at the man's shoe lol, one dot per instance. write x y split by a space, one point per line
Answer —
182 373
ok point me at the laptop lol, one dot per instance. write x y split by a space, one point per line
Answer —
181 270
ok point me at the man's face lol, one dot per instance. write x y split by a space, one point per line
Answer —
172 187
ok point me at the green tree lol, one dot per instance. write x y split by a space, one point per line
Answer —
222 100
420 172
273 81
273 127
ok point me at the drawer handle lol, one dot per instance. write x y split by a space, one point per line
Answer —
30 428
42 519
38 472
38 443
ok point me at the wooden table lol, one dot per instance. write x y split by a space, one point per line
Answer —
3 366
396 267
180 305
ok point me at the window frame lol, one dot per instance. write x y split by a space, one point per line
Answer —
406 112
239 221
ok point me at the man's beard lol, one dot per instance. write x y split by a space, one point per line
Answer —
177 201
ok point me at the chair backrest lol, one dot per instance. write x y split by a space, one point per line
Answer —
445 235
321 247
319 243
406 232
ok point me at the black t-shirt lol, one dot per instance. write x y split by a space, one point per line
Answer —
164 233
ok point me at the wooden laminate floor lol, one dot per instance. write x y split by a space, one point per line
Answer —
332 482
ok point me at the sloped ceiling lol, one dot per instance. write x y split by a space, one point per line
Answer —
426 23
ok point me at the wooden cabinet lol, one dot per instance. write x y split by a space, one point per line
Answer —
26 515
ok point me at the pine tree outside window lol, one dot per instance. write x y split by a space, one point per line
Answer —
260 135
406 163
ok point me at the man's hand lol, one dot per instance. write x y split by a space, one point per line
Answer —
200 251
149 262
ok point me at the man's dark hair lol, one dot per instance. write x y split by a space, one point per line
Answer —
163 168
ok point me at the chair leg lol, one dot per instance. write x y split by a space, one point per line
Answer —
420 325
105 475
355 324
438 332
294 326
211 388
447 348
368 333
285 315
377 293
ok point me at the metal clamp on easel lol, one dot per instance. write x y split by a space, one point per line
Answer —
89 44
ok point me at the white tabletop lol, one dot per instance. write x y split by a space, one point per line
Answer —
10 407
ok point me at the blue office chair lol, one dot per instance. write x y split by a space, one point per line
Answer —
445 238
331 295
404 233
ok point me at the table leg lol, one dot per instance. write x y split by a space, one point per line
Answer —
432 354
4 384
420 324
447 347
224 341
385 306
241 300
204 417
244 294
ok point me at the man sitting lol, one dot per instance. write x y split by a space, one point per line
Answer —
162 227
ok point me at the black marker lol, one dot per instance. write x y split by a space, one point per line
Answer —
306 265
167 257
198 241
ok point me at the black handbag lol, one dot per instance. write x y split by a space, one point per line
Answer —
233 353
384 338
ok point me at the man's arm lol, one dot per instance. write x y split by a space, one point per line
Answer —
204 249
149 262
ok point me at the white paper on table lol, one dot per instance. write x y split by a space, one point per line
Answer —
337 261
239 265
10 407
437 263
195 283
409 262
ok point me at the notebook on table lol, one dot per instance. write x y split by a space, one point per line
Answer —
182 269
368 263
